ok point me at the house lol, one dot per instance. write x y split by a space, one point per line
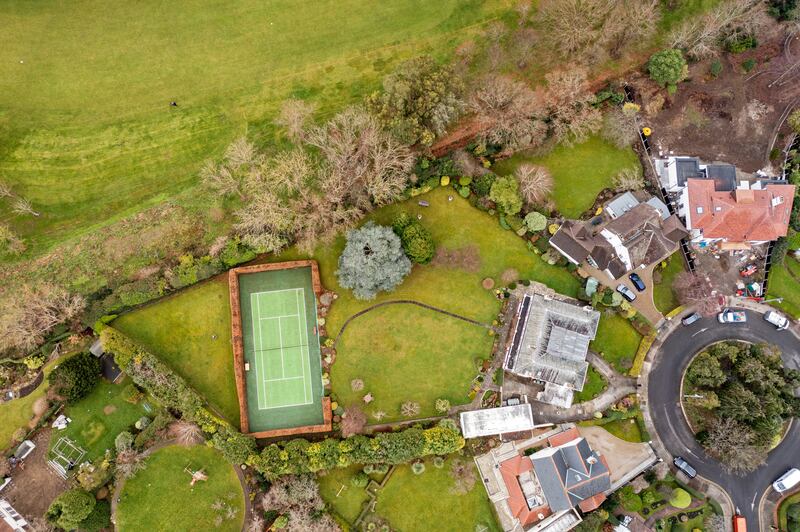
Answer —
546 489
637 235
10 519
548 342
748 215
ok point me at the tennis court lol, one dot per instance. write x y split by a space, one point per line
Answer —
281 354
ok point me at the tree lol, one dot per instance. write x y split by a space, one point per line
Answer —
129 462
734 444
98 519
694 290
620 127
123 441
70 508
185 433
535 183
668 68
417 241
418 100
570 105
297 498
535 221
510 112
372 261
409 409
505 193
629 179
75 377
294 118
22 207
353 421
33 312
705 370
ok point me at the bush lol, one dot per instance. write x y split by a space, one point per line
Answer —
70 508
438 462
360 480
234 445
76 377
142 423
630 500
716 68
482 185
505 193
535 222
416 240
369 469
280 522
667 68
793 512
123 441
680 498
749 65
418 468
34 361
794 121
99 519
380 469
442 406
741 44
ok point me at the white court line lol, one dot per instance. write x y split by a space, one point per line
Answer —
279 317
307 365
259 392
283 379
280 335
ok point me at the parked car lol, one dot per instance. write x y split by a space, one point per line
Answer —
732 316
684 466
691 318
787 481
626 292
637 282
780 321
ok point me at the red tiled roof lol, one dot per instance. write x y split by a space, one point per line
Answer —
563 437
511 469
741 215
592 503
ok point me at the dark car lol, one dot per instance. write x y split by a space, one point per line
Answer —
691 318
684 466
637 281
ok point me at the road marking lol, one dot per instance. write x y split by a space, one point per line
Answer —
753 504
700 331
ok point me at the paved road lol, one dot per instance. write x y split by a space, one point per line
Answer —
664 391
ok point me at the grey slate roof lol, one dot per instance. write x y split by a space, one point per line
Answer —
724 176
687 167
553 338
570 474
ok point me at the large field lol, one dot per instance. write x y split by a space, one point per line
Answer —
87 133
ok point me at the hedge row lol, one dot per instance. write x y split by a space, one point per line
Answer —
291 457
641 354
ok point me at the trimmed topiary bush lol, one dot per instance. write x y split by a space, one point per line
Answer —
70 508
680 498
418 468
360 480
438 462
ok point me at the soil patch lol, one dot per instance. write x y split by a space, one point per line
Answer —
733 117
467 258
34 485
509 276
109 409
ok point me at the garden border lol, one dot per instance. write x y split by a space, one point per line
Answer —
238 347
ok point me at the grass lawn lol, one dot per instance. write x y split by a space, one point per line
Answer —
426 502
784 507
783 284
616 341
179 329
99 417
579 172
663 295
85 151
345 501
18 413
160 498
595 385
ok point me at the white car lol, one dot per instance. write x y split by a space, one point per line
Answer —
787 481
626 292
732 316
780 321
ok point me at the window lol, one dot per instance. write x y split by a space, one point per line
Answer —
699 210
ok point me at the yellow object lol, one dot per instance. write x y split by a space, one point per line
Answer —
334 405
445 180
552 228
599 211
646 131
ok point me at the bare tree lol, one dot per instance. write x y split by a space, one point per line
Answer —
130 462
523 9
525 41
701 36
27 318
572 116
409 409
511 111
620 127
467 164
629 179
185 433
734 444
10 243
5 190
353 421
535 183
496 30
220 178
298 497
294 117
266 222
22 207
694 290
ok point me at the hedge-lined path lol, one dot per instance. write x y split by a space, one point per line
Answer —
669 510
407 302
248 506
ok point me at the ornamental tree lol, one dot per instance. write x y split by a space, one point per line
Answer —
505 193
75 377
70 508
668 68
372 261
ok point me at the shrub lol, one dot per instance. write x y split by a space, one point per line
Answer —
505 193
369 469
680 498
280 522
34 361
716 68
438 462
464 180
667 68
630 500
142 423
360 480
749 65
372 261
418 468
98 519
416 240
70 508
741 44
442 405
381 469
794 120
234 445
482 185
75 377
123 441
535 222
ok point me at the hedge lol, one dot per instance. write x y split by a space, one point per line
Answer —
641 354
282 458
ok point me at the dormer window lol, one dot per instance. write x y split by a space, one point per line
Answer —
699 210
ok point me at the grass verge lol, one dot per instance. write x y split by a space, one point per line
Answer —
616 341
595 385
663 295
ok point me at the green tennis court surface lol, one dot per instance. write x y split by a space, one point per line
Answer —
281 348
